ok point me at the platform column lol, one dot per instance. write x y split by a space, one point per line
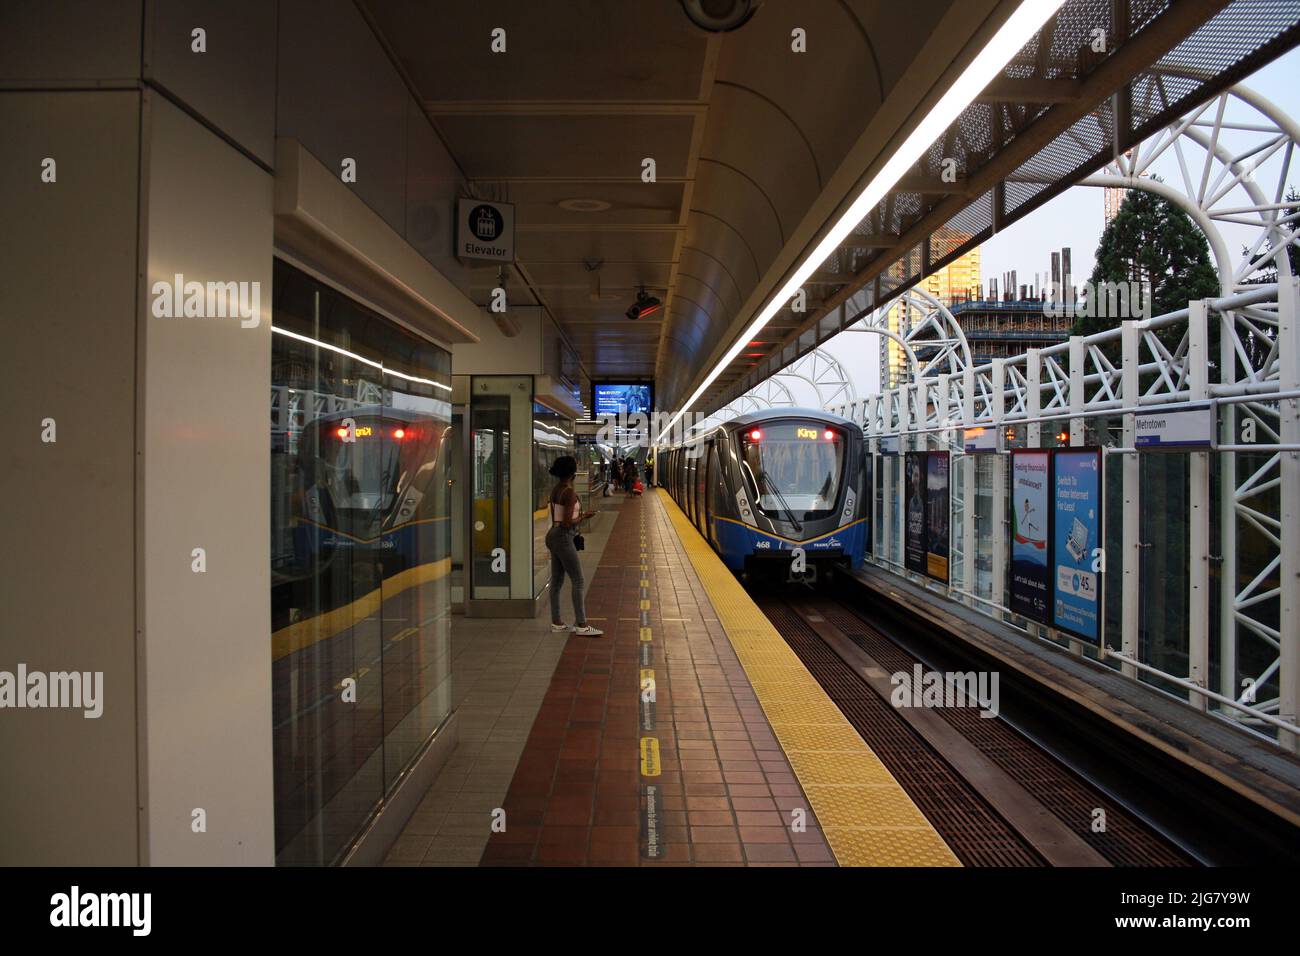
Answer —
999 495
1129 543
1078 428
1227 463
904 446
1288 342
1198 517
1034 427
968 490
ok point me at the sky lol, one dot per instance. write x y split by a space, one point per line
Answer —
1076 218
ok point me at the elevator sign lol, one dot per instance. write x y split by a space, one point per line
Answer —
485 230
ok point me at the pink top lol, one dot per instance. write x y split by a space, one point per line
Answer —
557 511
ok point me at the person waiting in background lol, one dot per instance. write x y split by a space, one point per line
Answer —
629 475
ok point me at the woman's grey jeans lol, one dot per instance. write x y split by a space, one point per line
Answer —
564 560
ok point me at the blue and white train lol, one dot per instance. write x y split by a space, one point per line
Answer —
763 484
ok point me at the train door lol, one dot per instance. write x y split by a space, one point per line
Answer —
690 488
712 499
700 470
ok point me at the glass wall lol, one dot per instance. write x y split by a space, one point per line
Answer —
360 553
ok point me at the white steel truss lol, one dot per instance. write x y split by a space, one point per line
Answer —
1235 157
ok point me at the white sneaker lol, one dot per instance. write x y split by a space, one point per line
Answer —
559 627
588 631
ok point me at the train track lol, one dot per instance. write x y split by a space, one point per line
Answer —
1000 795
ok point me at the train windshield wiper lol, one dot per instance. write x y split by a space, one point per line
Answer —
764 477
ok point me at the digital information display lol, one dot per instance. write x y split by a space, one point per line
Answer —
617 399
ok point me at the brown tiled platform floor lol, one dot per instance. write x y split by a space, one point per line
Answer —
723 791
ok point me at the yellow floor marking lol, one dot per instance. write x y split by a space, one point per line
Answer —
868 819
645 633
645 605
649 756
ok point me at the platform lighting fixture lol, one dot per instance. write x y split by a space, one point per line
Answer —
1027 20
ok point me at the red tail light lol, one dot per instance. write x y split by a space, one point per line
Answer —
343 433
755 435
399 434
830 435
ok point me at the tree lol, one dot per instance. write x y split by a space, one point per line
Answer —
1152 240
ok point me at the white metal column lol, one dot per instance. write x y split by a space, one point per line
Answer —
999 518
1198 518
1129 543
1288 341
968 490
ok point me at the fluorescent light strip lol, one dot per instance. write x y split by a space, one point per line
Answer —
360 358
988 63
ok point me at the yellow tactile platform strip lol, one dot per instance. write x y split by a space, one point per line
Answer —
868 819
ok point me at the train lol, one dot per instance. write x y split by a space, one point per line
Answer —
357 507
763 484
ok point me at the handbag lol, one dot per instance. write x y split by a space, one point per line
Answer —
579 543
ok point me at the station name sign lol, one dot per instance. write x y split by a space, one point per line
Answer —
1187 428
485 230
982 440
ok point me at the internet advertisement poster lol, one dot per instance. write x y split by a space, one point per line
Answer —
1030 585
1076 606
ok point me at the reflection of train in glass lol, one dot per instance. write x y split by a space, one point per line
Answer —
765 483
361 510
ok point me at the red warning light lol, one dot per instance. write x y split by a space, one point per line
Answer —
343 433
755 435
1063 437
830 435
399 434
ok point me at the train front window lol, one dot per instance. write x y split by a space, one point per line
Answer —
793 468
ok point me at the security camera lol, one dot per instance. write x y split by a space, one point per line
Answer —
720 16
644 305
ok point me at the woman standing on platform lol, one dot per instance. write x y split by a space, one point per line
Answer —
566 515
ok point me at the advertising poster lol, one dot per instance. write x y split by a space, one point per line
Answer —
914 511
936 515
1030 587
1076 603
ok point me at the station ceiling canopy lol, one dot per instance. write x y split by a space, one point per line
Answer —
745 134
760 137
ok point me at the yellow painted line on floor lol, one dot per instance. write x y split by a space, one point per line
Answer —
645 632
650 757
645 605
868 818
